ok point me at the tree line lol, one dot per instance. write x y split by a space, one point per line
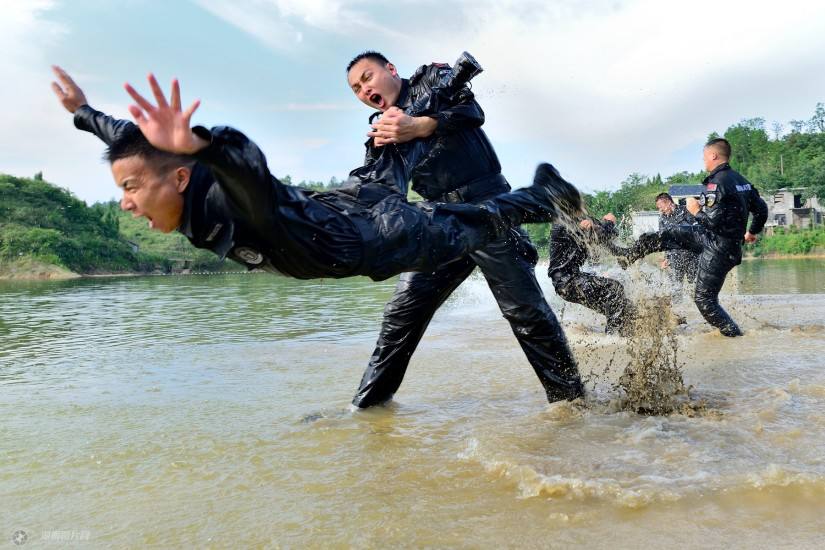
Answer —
41 220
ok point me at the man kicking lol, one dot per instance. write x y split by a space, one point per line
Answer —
214 186
722 217
569 250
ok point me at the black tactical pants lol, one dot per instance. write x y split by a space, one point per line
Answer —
600 294
508 265
717 256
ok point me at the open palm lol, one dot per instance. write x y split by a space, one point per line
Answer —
164 125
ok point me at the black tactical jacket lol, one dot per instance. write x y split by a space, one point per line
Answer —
729 198
234 207
457 154
569 250
680 216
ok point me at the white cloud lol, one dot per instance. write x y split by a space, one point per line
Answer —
291 107
38 134
601 88
618 86
279 24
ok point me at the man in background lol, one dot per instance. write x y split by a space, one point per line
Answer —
681 264
570 248
722 216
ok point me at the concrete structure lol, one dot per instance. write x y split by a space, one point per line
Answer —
645 222
788 206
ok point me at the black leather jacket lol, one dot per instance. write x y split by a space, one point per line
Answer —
234 207
729 200
680 216
569 251
457 154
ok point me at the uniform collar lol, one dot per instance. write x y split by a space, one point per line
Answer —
194 195
404 94
723 166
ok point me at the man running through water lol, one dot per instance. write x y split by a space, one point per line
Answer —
461 168
722 216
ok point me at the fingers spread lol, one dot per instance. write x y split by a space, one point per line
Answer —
137 113
175 99
58 90
191 110
148 107
158 93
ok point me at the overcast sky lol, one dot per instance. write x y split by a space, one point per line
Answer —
599 88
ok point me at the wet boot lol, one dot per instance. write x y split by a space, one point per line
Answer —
549 197
647 244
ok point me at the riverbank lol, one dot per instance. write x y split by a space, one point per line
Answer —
31 269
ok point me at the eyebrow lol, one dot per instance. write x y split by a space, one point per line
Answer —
361 79
122 184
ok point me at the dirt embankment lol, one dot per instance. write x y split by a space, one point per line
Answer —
32 270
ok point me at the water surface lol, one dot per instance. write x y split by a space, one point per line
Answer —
214 411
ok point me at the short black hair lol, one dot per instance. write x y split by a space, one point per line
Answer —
132 143
369 54
720 144
663 196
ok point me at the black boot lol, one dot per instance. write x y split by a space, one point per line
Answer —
647 243
549 197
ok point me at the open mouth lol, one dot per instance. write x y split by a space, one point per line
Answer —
377 100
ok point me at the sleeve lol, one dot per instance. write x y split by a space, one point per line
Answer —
605 230
759 209
456 114
712 217
241 170
105 127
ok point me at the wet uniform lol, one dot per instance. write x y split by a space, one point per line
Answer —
683 264
717 238
462 167
234 207
568 252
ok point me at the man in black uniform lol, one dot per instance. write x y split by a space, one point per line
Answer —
722 217
681 264
569 250
460 168
214 186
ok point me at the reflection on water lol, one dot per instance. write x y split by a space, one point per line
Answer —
805 276
213 411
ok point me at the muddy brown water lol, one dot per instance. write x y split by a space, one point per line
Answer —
213 411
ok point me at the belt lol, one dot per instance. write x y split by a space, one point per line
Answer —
478 188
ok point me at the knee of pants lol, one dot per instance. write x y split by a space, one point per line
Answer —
530 317
706 303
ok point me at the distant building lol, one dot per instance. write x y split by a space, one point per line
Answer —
786 207
645 222
789 207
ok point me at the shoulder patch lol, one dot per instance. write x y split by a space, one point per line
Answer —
711 187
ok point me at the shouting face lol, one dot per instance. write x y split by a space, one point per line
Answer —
152 191
376 84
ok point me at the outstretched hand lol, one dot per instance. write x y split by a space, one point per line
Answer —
69 93
164 125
